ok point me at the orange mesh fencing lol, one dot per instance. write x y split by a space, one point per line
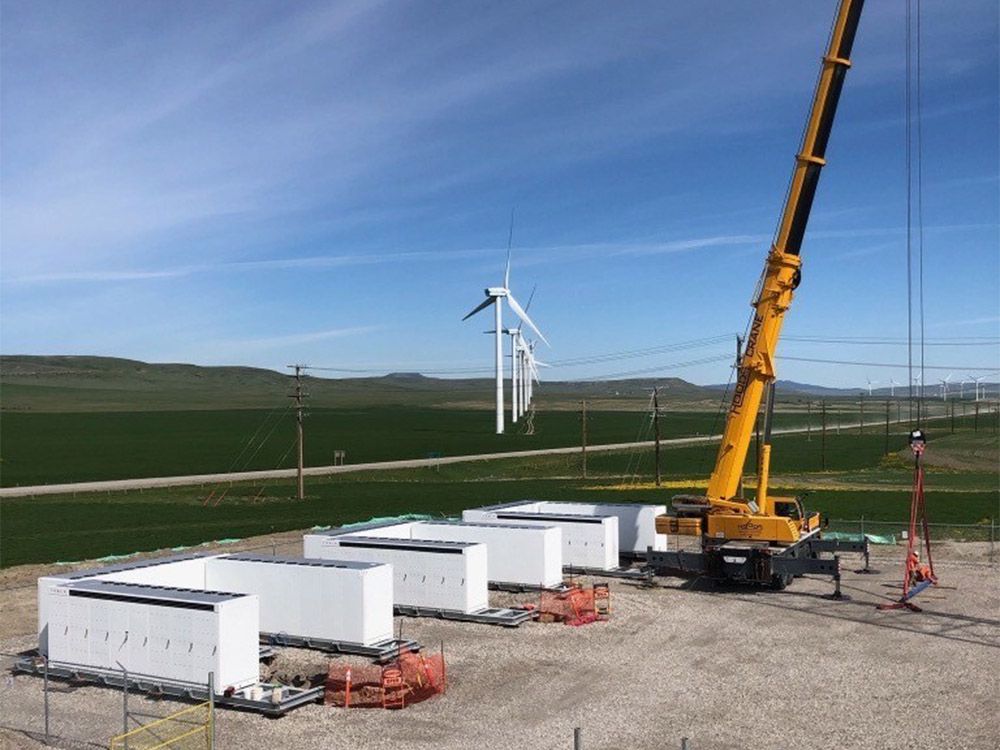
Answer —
412 678
576 605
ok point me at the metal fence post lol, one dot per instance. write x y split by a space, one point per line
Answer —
211 711
125 705
45 693
577 738
993 537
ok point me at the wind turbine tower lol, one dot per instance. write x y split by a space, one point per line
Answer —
870 384
495 295
979 386
944 386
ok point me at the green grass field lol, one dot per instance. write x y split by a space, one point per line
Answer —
85 419
45 529
45 448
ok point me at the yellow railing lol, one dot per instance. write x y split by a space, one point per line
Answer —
187 729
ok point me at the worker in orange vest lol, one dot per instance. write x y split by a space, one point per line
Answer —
918 571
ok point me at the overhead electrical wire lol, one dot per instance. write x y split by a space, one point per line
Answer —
896 365
873 341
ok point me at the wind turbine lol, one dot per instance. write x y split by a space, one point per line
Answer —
944 386
534 364
892 387
495 295
870 384
979 380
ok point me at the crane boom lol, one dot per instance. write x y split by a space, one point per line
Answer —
782 269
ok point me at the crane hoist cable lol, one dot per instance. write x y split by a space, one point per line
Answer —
917 575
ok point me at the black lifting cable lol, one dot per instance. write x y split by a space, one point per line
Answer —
920 201
914 156
909 221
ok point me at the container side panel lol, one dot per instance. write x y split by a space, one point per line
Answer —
420 578
237 658
183 574
528 556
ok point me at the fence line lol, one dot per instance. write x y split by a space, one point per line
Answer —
987 532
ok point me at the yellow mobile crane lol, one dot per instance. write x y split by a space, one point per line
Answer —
767 539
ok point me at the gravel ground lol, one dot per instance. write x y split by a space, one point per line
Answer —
729 669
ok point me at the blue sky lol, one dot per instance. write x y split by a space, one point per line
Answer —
331 183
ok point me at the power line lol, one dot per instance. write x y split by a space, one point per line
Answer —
874 341
896 365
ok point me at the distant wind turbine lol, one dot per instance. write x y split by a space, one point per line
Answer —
979 385
870 384
892 387
944 386
495 295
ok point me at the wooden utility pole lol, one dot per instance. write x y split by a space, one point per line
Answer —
656 431
299 397
886 451
809 417
822 435
583 436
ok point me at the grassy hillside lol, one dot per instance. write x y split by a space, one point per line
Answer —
70 383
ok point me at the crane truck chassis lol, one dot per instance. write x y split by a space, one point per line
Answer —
739 561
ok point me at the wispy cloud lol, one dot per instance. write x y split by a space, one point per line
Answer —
296 339
527 256
980 321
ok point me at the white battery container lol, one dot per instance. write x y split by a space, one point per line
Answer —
426 573
170 634
337 600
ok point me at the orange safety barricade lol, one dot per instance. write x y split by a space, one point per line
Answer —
412 678
393 688
602 599
575 605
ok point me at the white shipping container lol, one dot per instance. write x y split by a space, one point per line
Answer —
426 573
588 541
521 554
334 600
179 571
165 633
175 572
636 522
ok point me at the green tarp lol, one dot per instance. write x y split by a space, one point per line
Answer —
849 537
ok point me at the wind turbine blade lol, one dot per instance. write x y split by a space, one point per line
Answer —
540 363
528 306
531 297
482 306
519 312
510 240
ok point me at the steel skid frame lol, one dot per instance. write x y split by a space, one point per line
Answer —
758 563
